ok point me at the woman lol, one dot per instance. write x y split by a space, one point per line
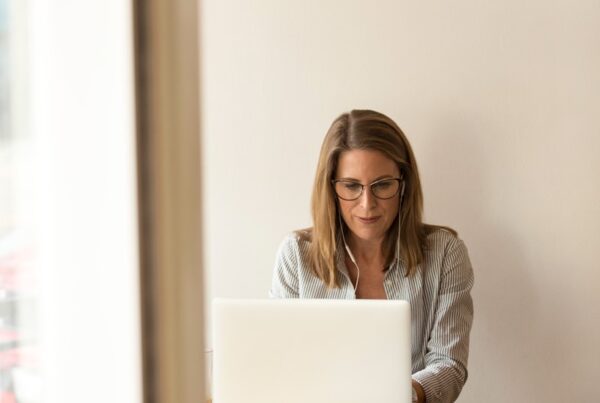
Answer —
368 240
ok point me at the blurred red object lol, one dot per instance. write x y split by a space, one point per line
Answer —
16 271
7 397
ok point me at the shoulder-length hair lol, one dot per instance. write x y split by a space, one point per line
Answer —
365 130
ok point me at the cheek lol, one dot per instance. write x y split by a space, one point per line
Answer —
346 210
391 209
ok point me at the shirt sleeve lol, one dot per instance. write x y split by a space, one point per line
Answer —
445 370
285 273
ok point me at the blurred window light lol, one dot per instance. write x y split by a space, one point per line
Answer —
19 368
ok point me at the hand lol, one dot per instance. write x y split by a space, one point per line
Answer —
418 392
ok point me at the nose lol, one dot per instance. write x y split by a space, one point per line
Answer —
367 200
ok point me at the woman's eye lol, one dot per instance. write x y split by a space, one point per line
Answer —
351 186
382 185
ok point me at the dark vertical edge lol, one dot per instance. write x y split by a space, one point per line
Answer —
144 199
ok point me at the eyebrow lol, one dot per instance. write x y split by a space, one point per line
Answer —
375 180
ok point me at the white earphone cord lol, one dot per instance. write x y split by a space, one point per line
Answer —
349 252
399 225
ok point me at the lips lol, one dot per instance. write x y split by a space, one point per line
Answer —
368 220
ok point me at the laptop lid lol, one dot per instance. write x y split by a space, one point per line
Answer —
311 351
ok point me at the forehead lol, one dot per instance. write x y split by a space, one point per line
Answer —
365 165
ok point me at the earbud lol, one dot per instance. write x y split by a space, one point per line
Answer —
402 194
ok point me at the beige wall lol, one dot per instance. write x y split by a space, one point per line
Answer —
500 101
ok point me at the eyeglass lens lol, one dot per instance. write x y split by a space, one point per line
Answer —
383 189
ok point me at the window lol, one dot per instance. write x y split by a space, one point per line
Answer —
19 369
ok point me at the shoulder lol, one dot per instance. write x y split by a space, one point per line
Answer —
294 241
447 254
291 266
444 245
442 239
294 247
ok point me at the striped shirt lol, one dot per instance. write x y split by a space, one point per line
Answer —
439 297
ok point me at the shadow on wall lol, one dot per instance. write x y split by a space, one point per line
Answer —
468 189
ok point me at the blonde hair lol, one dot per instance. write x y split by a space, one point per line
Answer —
365 130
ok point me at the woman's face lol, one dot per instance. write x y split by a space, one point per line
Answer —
367 217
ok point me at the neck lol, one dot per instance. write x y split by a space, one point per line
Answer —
366 251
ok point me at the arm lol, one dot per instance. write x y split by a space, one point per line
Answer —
285 282
445 372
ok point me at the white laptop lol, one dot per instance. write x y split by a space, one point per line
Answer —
311 351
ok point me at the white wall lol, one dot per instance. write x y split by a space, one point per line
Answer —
500 101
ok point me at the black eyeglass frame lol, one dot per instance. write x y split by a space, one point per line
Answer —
370 185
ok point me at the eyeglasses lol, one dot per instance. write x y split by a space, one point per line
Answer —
351 190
